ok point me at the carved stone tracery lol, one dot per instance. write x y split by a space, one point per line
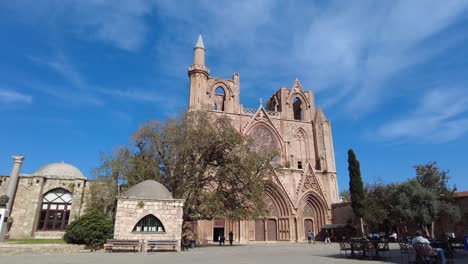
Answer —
311 183
263 139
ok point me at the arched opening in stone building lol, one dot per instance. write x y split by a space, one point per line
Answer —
55 210
276 226
297 108
313 212
219 99
149 223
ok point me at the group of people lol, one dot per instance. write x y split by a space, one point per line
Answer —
221 238
311 237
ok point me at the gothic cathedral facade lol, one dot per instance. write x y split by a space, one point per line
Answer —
305 184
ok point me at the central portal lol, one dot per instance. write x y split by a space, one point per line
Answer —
218 229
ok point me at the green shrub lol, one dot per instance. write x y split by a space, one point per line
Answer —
91 229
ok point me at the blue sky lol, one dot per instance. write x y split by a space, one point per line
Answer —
78 77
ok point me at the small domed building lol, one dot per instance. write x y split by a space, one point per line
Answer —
147 211
46 201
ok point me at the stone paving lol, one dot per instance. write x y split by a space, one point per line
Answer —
271 253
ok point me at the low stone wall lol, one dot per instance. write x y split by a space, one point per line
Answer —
17 249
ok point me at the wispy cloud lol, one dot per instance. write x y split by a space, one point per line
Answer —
80 90
12 97
62 65
119 23
440 116
133 95
359 47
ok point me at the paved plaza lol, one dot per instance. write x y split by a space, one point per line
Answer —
289 253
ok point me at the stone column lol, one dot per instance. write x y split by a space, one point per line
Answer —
13 181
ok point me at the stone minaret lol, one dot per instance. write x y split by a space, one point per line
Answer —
198 74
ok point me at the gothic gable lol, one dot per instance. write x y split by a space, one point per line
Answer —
262 129
310 182
297 91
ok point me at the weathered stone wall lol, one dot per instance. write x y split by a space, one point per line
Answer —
169 212
342 213
26 207
28 200
447 225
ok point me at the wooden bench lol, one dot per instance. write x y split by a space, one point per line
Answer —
153 245
122 245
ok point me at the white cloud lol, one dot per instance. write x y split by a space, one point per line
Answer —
12 97
359 47
349 53
137 95
118 22
440 116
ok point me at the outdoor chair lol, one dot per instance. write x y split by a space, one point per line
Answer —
368 249
406 251
425 253
383 249
345 246
356 248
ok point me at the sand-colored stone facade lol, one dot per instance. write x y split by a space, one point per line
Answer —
130 211
305 186
28 201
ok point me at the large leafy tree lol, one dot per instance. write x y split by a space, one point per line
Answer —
435 180
416 204
380 205
201 159
356 187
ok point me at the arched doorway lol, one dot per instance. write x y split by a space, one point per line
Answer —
314 213
278 221
308 226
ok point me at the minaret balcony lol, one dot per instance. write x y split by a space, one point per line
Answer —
196 68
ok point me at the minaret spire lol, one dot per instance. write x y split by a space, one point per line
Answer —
198 74
199 52
200 42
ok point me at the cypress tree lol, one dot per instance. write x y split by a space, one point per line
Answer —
356 187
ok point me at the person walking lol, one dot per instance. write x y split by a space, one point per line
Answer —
327 237
309 237
223 238
231 238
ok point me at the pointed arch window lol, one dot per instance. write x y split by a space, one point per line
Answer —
219 99
149 223
297 108
55 210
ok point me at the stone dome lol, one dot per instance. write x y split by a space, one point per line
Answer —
148 189
60 170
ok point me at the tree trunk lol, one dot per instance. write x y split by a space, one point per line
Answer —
362 226
432 229
426 230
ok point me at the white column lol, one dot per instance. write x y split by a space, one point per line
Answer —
4 213
13 181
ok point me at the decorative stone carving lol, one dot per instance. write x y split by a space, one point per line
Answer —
263 139
308 211
311 183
